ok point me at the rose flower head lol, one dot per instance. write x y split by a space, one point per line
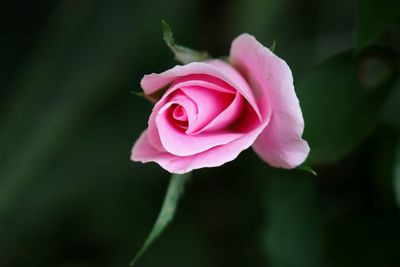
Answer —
206 113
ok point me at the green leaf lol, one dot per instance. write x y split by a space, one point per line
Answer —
182 54
341 100
373 18
174 192
397 174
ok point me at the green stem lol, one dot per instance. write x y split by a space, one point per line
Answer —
174 192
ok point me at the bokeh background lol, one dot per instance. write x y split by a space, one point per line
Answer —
70 196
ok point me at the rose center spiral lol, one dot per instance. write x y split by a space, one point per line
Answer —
180 116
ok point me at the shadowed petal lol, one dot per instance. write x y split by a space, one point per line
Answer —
280 144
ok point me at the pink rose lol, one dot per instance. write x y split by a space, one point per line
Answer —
214 110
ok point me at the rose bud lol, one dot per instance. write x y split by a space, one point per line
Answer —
213 110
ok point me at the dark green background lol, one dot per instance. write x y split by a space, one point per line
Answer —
70 196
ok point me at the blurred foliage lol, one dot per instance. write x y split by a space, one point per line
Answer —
397 175
374 17
343 113
69 195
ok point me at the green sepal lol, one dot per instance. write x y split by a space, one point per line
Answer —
306 168
138 93
272 48
182 54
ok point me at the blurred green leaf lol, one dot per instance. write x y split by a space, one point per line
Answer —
397 174
174 192
182 54
391 111
373 18
293 234
341 100
381 167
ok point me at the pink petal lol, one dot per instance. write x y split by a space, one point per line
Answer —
208 118
280 143
227 116
177 142
238 117
143 151
241 84
178 98
217 68
154 136
209 103
224 114
202 80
